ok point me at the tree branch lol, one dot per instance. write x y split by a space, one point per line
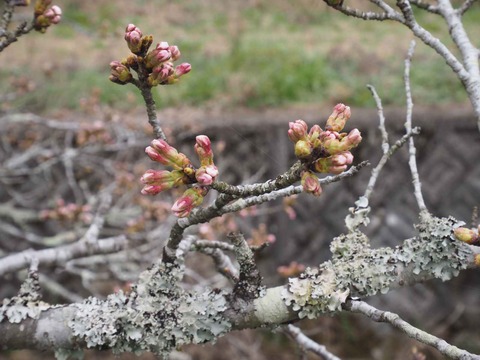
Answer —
452 352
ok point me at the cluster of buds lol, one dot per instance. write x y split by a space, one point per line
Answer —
324 151
469 236
291 270
156 65
182 173
67 212
44 15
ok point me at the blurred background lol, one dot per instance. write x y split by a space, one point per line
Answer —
67 133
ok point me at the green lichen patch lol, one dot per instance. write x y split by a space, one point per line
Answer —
358 270
158 315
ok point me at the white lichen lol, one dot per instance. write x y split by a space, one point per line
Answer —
358 270
159 315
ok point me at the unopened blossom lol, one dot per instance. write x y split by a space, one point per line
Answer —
311 183
303 149
175 52
119 73
336 121
160 54
335 164
466 235
161 74
340 144
133 37
54 14
297 130
160 151
182 69
160 180
44 16
206 175
190 199
203 149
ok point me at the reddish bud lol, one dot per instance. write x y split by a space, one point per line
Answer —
182 69
119 73
297 130
206 175
311 184
133 37
54 14
165 154
341 144
335 164
190 199
336 121
203 148
175 52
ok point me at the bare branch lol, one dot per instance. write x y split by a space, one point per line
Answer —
451 351
425 6
465 6
61 254
308 344
412 162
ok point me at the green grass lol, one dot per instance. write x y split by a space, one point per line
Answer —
270 58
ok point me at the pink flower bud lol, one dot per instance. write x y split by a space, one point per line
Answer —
182 69
119 73
354 138
336 121
154 189
157 56
163 46
335 164
165 154
341 144
157 181
468 236
175 52
302 149
133 37
297 130
203 149
311 184
190 199
206 175
54 14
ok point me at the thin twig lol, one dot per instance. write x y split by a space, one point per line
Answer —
465 6
308 344
377 315
412 162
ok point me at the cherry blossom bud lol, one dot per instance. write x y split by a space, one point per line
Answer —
165 154
133 37
206 175
119 74
190 199
175 52
335 164
302 149
159 55
54 14
468 236
311 184
203 148
341 144
336 121
477 260
160 180
160 74
182 69
297 130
